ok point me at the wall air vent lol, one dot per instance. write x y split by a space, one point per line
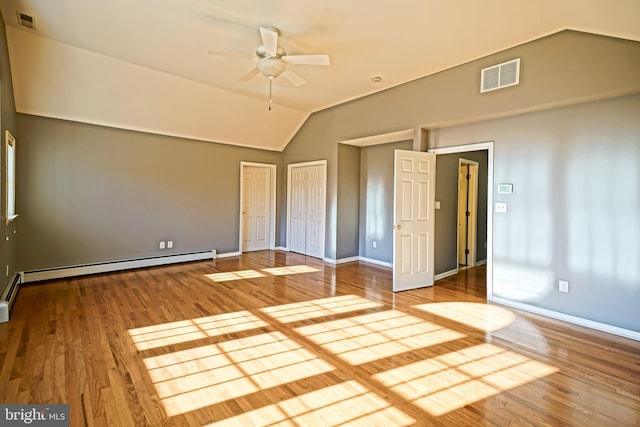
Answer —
26 21
499 76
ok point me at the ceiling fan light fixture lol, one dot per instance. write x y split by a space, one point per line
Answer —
271 67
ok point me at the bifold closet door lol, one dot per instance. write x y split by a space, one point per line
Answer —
307 210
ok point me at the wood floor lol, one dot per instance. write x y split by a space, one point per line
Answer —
274 338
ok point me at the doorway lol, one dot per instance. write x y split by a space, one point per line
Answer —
306 207
467 212
257 206
488 147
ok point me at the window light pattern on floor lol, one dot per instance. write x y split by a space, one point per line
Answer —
189 330
202 376
229 276
258 356
288 313
348 403
456 379
363 339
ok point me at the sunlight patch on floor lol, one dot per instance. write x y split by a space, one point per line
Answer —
348 403
483 317
293 269
228 276
365 338
319 308
189 330
234 275
453 380
203 376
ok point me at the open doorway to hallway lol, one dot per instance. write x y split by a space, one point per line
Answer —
455 229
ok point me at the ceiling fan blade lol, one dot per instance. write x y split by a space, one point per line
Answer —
269 40
251 74
307 59
293 77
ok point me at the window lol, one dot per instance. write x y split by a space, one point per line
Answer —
10 178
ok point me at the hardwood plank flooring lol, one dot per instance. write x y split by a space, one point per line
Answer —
275 338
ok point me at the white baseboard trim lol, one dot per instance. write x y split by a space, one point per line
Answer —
375 262
358 258
282 248
603 327
345 260
107 267
483 262
228 254
446 274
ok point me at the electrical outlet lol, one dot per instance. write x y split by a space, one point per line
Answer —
375 244
563 286
162 245
169 244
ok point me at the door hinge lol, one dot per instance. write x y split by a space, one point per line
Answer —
466 251
468 213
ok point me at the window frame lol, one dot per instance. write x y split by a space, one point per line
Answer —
10 178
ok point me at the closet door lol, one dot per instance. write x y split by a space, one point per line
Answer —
297 210
307 208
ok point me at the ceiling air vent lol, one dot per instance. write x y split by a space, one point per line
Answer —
501 75
26 21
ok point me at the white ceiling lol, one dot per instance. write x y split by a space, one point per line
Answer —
168 41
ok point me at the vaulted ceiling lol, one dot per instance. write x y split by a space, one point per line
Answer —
148 65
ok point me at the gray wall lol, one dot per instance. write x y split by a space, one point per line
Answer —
94 194
561 69
376 200
8 233
347 244
446 228
574 212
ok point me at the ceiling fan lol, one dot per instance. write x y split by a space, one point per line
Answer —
272 60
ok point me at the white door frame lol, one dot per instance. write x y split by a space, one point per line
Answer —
473 210
324 199
479 147
272 208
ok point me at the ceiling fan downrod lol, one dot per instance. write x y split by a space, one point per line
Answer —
270 90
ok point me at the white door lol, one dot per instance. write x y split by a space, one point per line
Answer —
315 211
463 215
307 207
467 212
256 208
414 219
297 210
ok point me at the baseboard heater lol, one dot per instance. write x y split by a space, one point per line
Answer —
110 266
8 296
